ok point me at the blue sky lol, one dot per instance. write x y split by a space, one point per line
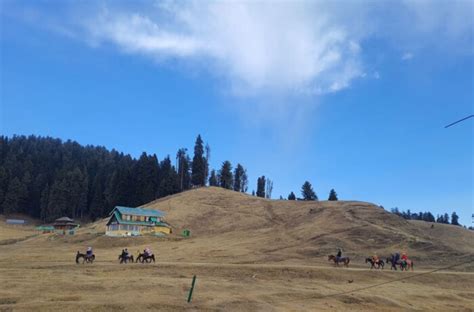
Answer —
351 96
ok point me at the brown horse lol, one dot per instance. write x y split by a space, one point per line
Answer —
337 260
144 258
409 264
124 259
85 258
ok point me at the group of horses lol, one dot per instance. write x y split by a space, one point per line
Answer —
142 258
403 265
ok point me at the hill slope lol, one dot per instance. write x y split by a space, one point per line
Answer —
246 229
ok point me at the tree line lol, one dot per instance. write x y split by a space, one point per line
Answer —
47 178
427 216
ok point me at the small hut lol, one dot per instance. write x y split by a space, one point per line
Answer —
65 225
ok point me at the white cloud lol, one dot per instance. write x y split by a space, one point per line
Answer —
261 48
407 56
256 47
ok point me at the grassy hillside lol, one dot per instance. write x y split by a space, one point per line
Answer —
249 254
233 227
250 229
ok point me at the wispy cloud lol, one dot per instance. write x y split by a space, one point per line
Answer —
257 47
296 48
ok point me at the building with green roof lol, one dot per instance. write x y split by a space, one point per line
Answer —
127 221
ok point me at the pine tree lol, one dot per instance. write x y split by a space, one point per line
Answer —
169 183
213 179
245 182
147 178
332 195
446 218
199 166
44 203
439 219
225 175
292 196
3 184
238 174
428 217
454 219
183 169
307 192
15 197
97 205
58 204
261 186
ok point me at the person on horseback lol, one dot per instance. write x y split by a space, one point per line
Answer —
89 252
404 256
148 252
339 254
404 260
396 257
376 260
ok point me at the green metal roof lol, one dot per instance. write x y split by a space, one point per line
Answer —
45 227
139 211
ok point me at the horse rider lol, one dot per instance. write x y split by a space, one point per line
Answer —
375 259
404 257
89 252
397 257
339 254
125 254
148 252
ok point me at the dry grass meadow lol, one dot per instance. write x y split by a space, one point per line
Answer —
248 254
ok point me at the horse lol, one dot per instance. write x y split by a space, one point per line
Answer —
142 257
394 263
409 264
404 265
125 259
380 263
85 258
337 260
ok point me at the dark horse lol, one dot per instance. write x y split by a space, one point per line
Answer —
142 257
85 258
404 265
337 260
125 259
374 265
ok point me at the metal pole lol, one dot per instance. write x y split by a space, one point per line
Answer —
192 288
